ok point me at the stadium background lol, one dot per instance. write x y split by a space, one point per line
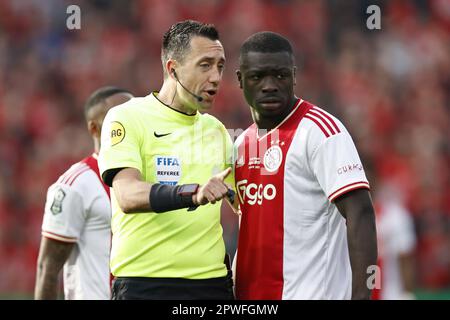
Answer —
391 88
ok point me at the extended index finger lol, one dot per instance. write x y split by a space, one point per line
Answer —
222 175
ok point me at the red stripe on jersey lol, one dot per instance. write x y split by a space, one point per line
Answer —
66 177
323 119
92 162
318 124
328 117
58 237
67 174
348 188
72 180
259 265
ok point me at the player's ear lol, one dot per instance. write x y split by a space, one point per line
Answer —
94 128
239 76
294 75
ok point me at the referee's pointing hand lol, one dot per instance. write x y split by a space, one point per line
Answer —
214 190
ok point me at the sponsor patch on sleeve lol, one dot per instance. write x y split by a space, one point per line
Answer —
117 133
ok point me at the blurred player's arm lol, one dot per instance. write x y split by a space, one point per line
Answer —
52 256
404 248
356 207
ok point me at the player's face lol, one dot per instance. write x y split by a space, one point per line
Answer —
201 72
268 80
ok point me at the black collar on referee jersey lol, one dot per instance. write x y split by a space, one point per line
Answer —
190 115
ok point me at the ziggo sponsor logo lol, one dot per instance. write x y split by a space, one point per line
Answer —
255 193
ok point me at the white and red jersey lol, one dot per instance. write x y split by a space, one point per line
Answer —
292 239
78 211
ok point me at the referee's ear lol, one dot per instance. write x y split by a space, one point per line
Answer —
171 65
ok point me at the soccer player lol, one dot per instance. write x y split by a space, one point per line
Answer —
307 227
167 163
396 245
76 230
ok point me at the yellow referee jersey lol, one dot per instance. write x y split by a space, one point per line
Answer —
168 147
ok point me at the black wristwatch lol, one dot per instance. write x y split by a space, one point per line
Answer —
186 191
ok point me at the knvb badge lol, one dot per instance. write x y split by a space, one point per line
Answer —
56 207
168 169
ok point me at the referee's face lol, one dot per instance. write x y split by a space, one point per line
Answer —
200 72
267 80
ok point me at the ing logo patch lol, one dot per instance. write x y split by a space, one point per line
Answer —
117 133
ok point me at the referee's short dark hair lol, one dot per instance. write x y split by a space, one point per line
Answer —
265 42
100 95
176 41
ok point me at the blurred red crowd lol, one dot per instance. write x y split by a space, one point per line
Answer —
390 87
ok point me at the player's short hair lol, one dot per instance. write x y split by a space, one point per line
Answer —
176 41
266 42
100 95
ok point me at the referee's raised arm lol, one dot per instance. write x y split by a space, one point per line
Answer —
135 195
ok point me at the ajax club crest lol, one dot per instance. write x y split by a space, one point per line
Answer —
273 158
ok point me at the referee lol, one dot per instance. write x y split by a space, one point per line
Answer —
169 166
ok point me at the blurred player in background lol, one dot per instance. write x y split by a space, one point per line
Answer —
76 229
396 245
161 156
308 225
